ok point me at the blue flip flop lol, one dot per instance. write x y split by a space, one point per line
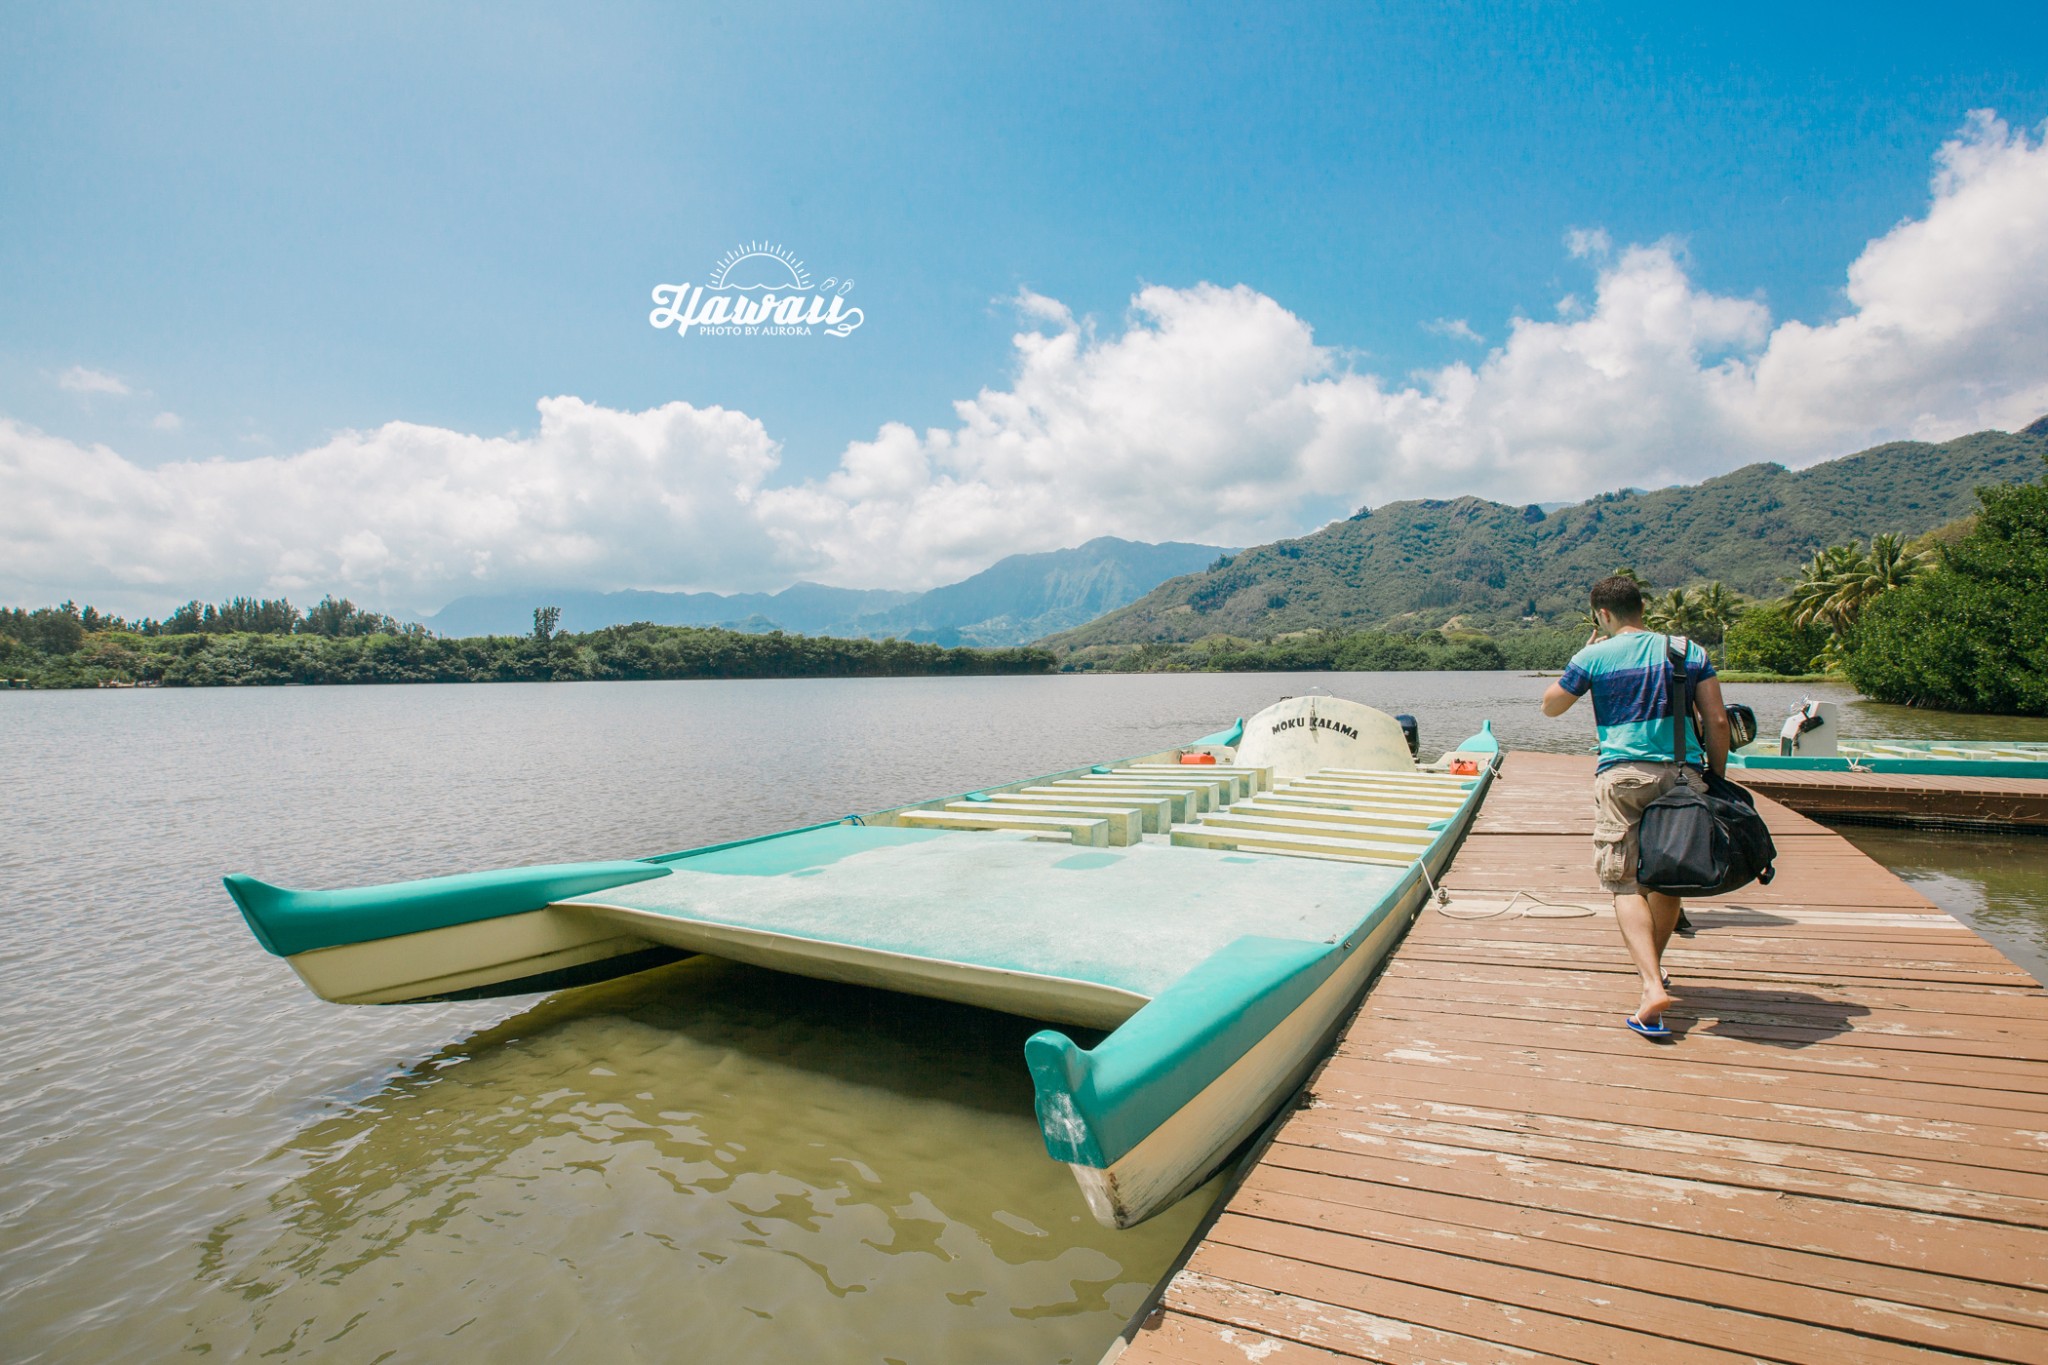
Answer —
1656 1030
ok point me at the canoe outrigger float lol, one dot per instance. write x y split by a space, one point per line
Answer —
1218 909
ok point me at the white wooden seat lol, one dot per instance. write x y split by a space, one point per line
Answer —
1388 828
1370 841
1220 789
1202 795
1458 789
1282 841
1179 804
1404 775
1081 829
1126 826
1442 801
1248 780
1399 813
1155 811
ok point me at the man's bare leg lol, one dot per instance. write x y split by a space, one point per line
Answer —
1664 912
1639 934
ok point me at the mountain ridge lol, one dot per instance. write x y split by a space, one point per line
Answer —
1425 563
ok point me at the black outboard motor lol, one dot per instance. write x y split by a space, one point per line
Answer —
1741 725
1414 734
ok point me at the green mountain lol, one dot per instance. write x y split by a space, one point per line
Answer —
1467 561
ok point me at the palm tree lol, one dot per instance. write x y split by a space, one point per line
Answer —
1718 608
1836 585
1813 589
1886 565
1684 611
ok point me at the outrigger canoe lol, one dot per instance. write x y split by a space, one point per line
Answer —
1218 909
1811 741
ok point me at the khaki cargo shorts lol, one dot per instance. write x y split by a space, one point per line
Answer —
1620 795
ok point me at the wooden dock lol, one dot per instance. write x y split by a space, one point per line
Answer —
1844 1158
1995 802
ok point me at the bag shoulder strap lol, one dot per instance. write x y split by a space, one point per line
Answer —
1678 650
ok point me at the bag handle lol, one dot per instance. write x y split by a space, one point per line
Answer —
1678 650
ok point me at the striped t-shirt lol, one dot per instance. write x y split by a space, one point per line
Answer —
1630 677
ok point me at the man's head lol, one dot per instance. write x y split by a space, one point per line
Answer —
1617 602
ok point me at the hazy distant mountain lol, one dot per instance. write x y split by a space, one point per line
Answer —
1419 564
1013 601
800 609
1023 597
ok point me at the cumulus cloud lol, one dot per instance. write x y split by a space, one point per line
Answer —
79 379
1211 413
404 515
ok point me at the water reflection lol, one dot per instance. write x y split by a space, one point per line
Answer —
1995 883
631 1167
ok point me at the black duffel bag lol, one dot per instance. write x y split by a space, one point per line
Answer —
1694 844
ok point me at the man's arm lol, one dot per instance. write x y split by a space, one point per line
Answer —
1569 688
1713 723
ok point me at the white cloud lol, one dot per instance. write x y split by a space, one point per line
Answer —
1588 243
167 421
404 516
1211 414
78 379
1457 329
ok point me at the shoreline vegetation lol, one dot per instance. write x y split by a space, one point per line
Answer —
250 643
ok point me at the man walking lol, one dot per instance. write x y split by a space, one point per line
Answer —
1629 675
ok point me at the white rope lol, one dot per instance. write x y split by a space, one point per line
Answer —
1536 909
1442 897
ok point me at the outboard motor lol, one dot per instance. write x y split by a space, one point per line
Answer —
1741 725
1809 730
1412 732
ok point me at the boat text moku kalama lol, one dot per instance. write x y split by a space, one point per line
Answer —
1216 910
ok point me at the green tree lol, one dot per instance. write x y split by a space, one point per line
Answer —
1970 634
1766 639
545 619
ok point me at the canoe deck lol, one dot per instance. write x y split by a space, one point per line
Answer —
1135 919
1845 1158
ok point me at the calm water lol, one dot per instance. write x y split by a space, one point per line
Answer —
707 1163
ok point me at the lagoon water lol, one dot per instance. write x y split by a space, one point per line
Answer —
706 1163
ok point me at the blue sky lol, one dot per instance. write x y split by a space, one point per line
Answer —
271 224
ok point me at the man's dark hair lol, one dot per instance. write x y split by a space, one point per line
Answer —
1619 594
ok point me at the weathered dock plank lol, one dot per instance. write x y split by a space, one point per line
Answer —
1844 1156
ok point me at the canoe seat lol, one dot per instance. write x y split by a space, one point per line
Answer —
1080 829
1126 826
1154 813
1373 841
1178 803
1396 829
1284 841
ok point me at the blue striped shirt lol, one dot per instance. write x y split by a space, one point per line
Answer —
1630 676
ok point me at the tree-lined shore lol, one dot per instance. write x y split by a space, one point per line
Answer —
68 646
